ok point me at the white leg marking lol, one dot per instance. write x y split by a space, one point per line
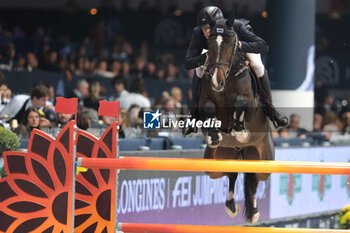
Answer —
241 117
254 200
220 137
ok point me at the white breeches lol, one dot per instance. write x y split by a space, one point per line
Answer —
256 64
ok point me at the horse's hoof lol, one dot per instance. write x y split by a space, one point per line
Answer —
242 136
213 139
231 213
255 217
212 143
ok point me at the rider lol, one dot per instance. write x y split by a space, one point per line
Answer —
249 43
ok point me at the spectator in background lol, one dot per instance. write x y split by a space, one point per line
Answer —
51 62
124 122
16 108
138 86
52 95
83 121
168 108
318 120
80 67
160 73
8 53
346 116
172 73
116 68
81 91
102 69
176 95
20 64
32 62
294 130
283 133
151 70
31 120
94 95
331 125
136 116
126 69
139 70
126 98
119 84
62 120
328 104
5 92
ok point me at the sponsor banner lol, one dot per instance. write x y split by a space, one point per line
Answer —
194 198
181 198
301 194
328 220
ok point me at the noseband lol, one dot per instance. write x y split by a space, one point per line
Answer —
219 64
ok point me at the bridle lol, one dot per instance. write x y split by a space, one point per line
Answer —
219 64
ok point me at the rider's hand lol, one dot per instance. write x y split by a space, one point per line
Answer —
200 71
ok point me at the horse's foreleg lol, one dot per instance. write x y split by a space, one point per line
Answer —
250 186
231 207
208 111
239 130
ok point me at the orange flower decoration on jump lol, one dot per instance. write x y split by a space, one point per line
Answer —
95 189
36 196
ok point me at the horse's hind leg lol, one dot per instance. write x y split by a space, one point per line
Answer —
231 207
250 185
209 153
266 149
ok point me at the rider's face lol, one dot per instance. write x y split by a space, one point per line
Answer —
206 31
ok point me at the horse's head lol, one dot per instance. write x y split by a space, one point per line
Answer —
222 46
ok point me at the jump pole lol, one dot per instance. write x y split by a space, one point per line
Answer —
212 165
172 228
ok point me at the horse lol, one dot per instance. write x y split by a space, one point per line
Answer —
227 94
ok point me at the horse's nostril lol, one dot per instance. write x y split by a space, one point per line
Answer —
221 83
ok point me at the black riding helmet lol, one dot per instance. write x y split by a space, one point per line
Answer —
213 12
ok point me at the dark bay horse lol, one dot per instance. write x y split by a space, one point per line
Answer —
227 95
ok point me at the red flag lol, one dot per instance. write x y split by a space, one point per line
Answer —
66 106
109 108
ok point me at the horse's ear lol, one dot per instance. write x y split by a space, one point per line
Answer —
210 20
229 22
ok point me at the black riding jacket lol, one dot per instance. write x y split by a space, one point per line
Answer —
251 43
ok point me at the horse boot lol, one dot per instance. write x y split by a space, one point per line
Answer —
278 119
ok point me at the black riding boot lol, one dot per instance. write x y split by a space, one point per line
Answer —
277 118
194 108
